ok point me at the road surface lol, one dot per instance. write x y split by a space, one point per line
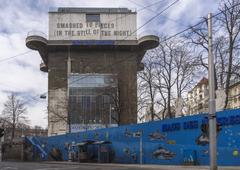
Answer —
83 166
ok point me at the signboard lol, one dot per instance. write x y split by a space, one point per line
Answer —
81 26
86 127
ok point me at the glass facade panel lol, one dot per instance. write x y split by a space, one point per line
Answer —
91 96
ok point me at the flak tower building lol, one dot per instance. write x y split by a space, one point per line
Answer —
92 56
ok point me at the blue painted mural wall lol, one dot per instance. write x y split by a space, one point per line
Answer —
173 141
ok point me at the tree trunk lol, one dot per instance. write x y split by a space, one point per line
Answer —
229 73
169 103
152 102
13 132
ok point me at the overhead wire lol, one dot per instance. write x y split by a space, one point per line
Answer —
37 96
170 37
129 57
136 31
166 39
152 18
17 55
199 23
143 8
139 10
153 11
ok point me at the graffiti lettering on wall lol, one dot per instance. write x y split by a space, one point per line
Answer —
222 121
225 120
171 127
179 126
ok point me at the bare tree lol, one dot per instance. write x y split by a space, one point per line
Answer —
147 85
221 61
186 69
113 94
166 78
58 112
14 112
226 37
197 37
230 20
142 100
174 69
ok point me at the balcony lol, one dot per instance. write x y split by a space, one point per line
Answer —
140 67
43 67
148 41
37 40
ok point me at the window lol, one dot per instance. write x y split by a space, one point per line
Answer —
93 17
235 100
90 97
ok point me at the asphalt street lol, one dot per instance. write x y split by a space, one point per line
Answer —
77 166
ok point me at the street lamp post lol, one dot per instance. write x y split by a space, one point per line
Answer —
68 87
110 115
212 103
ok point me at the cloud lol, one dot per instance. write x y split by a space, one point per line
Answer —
22 74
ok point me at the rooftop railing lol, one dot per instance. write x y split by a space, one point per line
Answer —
146 33
37 33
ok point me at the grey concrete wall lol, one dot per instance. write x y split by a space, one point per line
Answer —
12 152
111 26
121 63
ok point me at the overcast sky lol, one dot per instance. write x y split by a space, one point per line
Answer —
21 74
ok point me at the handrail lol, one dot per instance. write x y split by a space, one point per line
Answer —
147 33
37 33
36 143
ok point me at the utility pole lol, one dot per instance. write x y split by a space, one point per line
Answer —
68 82
212 102
110 115
141 148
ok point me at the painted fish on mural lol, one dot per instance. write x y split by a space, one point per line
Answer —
137 134
126 151
127 133
205 151
132 155
203 138
157 136
162 153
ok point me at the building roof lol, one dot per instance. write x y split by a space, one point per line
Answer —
91 10
203 81
234 84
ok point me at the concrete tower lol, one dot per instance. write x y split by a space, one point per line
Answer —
92 57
